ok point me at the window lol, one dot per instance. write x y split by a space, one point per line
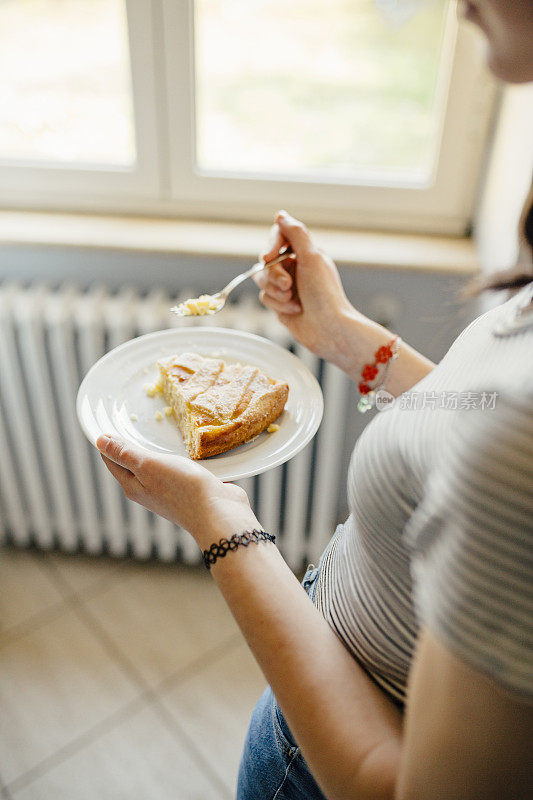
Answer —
295 89
78 116
65 69
231 108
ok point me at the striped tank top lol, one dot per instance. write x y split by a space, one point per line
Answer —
440 534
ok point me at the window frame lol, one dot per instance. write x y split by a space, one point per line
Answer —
32 183
165 182
445 205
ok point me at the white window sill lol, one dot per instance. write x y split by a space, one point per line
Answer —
439 254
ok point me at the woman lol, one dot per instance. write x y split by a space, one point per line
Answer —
409 675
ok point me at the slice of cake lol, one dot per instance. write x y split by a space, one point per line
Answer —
219 406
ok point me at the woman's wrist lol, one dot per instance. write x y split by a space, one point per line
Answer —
228 545
356 340
237 521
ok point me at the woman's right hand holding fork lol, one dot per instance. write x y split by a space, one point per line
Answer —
306 293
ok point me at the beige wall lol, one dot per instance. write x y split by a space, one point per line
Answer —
507 180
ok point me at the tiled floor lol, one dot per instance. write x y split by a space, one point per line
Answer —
118 680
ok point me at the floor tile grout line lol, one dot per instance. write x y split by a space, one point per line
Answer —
147 694
156 695
113 650
13 632
53 572
70 597
80 742
182 737
33 623
77 604
172 682
201 662
147 698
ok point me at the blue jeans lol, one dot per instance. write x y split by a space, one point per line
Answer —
272 766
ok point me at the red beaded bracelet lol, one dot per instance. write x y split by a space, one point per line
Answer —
383 355
369 371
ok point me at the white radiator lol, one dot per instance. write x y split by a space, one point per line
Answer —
54 490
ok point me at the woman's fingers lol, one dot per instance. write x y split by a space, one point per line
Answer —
288 230
121 453
280 295
127 479
122 474
278 284
279 276
295 233
280 288
275 243
274 277
123 462
280 307
277 291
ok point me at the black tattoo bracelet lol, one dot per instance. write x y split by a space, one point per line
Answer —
225 545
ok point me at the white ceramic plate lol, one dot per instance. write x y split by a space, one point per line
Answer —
113 390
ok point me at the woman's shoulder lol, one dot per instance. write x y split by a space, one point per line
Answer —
481 483
510 415
492 354
489 446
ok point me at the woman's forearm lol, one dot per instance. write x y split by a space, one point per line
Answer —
356 340
348 731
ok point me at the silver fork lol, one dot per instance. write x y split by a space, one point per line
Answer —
220 298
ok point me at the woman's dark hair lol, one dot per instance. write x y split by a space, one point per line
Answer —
522 273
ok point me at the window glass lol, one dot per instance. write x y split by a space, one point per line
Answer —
317 89
65 92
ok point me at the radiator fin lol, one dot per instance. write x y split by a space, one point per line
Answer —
54 488
18 421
